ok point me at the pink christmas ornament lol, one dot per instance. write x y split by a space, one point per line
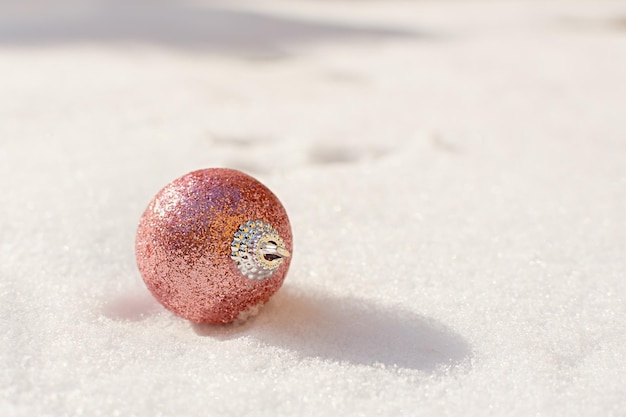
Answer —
214 245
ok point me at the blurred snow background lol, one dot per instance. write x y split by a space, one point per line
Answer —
455 173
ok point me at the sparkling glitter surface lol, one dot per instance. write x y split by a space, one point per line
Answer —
183 244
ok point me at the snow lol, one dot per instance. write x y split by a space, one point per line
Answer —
455 175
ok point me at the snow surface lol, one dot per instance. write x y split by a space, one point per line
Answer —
455 173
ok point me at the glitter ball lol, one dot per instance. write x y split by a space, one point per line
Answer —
189 252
